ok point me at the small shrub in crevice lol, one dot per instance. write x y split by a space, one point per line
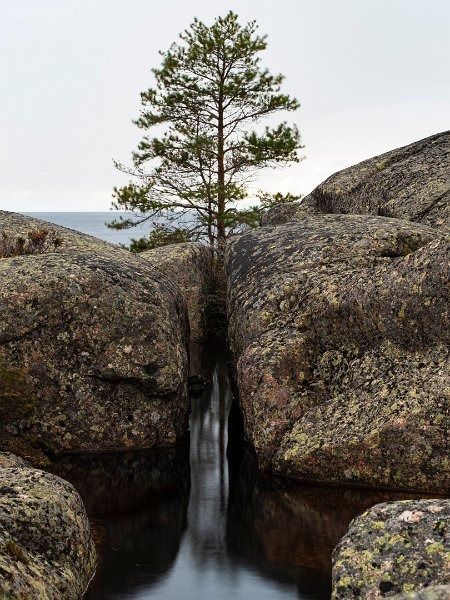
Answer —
15 551
36 241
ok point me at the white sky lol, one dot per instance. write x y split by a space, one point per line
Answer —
371 75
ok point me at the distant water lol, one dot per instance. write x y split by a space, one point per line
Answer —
94 223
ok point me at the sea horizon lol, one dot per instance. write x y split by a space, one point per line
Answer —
93 223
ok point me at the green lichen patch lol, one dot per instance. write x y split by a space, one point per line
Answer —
411 551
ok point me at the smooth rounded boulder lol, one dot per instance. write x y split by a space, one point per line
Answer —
95 340
339 336
46 548
409 183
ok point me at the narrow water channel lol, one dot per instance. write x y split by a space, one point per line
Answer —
197 523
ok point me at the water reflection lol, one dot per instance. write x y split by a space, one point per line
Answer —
288 532
137 504
198 523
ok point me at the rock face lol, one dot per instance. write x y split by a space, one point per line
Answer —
96 339
283 213
46 550
434 592
189 265
408 183
339 333
395 548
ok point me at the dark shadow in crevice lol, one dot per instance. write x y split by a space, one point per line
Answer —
137 505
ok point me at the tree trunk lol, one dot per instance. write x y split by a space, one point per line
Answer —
221 233
210 223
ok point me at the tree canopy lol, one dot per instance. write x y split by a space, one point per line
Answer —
203 137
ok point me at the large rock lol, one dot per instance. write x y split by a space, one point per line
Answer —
409 183
46 550
94 338
339 333
393 548
189 265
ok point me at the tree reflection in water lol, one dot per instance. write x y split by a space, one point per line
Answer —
137 504
211 528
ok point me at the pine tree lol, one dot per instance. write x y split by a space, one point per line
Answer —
210 97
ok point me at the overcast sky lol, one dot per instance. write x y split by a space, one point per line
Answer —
371 75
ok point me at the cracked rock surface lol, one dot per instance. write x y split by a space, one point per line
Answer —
394 550
46 549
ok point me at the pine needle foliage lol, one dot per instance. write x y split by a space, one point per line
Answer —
205 132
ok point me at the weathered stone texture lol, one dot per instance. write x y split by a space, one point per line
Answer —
434 592
189 266
283 213
100 338
46 550
7 459
395 548
339 333
410 183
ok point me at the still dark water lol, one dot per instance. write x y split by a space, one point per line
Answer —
196 523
